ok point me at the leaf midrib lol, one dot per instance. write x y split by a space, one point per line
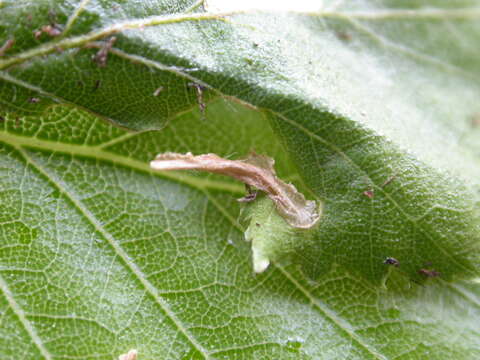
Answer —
98 152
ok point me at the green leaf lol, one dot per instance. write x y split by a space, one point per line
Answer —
369 108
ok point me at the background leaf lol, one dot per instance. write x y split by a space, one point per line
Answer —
99 255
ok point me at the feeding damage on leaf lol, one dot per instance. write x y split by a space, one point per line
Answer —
256 171
275 219
272 238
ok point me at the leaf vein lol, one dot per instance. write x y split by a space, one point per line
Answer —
97 153
18 311
77 41
410 52
71 20
327 313
378 188
130 265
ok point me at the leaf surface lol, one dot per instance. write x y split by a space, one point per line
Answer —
369 109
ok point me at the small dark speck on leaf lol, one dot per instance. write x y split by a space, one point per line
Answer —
429 273
391 261
33 100
257 224
255 45
369 194
2 119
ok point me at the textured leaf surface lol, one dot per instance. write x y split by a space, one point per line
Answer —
98 255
